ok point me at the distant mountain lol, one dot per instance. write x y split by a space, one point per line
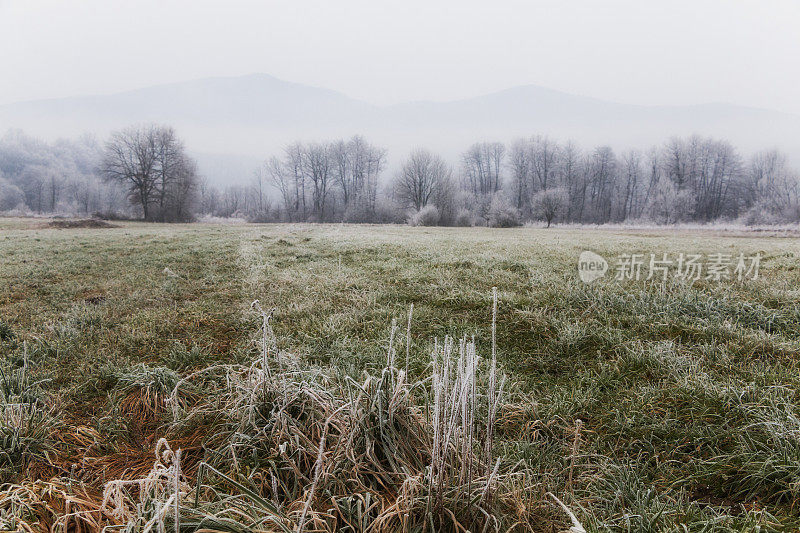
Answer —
257 101
253 116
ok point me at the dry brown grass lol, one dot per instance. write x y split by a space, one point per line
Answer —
79 223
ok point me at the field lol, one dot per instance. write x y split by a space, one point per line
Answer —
641 405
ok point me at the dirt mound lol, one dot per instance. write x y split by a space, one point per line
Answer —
81 223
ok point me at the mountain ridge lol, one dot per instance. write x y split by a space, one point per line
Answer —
512 89
256 114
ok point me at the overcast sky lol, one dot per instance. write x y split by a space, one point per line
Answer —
638 51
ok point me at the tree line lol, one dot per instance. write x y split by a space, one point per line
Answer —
693 179
140 172
59 177
145 172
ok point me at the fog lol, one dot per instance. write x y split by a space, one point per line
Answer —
652 53
230 124
240 81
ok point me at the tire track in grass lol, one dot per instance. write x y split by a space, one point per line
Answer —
251 266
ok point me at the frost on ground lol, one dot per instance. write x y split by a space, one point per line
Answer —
139 380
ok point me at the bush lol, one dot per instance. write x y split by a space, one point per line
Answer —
11 196
427 216
502 214
464 218
387 212
358 213
762 215
668 205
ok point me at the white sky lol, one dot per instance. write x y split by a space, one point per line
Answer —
638 51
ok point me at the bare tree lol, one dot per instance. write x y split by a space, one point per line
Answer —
573 179
295 159
337 180
711 171
367 163
260 208
544 155
233 201
180 198
549 203
667 204
150 161
318 169
342 163
482 164
770 186
168 161
602 177
357 165
631 190
765 172
282 179
520 165
420 176
130 159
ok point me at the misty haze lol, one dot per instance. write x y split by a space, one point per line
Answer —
370 267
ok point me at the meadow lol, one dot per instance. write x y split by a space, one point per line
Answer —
143 389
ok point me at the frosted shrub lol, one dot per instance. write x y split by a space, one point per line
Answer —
427 216
10 196
464 218
502 214
760 215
